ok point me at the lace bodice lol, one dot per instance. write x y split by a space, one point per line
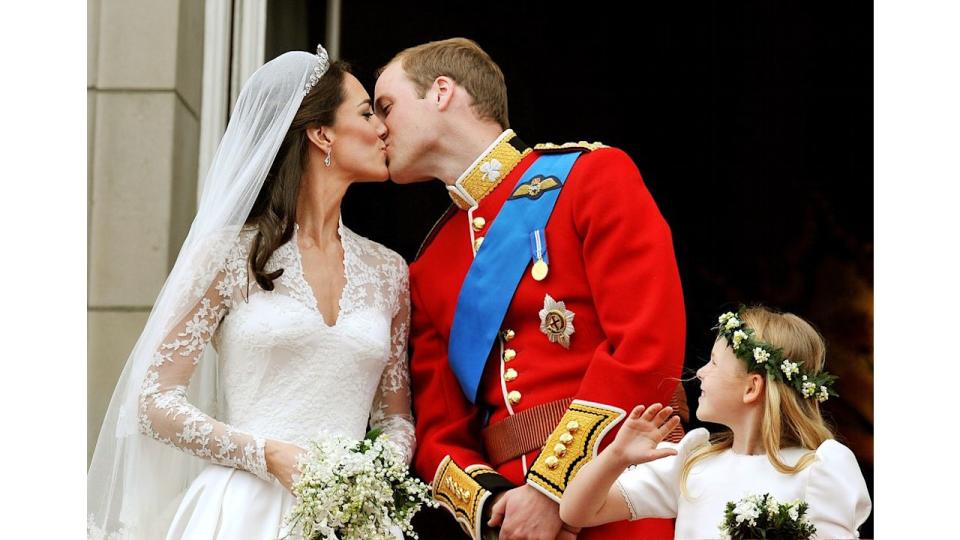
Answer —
284 372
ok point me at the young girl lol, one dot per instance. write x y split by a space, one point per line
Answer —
765 382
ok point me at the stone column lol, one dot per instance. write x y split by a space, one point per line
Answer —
143 108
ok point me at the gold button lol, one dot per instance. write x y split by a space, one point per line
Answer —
476 243
478 223
566 438
551 462
509 334
510 375
559 450
509 355
514 397
573 426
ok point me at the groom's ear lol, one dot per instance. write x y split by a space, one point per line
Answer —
442 92
321 137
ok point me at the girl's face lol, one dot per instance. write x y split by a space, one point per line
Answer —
723 382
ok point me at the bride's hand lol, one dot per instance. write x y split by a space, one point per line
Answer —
281 460
637 440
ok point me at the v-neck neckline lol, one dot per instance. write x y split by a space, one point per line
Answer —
308 289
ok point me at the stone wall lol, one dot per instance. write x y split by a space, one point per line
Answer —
144 80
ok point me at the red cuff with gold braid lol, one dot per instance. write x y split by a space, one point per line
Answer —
464 491
572 445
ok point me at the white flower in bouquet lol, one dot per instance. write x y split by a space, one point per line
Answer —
793 511
746 510
355 490
773 507
762 516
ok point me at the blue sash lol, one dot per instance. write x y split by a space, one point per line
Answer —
493 277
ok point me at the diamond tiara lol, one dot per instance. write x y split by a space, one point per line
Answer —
323 64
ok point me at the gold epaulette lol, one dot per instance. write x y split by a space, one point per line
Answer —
572 445
458 491
550 148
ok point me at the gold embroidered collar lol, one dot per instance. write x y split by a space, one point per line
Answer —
488 170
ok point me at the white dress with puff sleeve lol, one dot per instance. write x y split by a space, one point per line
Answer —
832 486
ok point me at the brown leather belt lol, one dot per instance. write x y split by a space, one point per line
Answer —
528 429
523 432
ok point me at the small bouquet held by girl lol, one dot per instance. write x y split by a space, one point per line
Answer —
355 490
762 516
764 382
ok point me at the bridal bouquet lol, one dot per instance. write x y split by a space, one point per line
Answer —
355 490
762 516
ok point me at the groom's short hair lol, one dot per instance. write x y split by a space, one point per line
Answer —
466 63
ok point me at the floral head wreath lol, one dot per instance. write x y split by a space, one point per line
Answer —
762 357
323 64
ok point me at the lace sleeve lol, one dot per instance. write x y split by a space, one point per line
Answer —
164 412
391 410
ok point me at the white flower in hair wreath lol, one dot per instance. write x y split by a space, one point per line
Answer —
761 357
738 338
732 322
789 368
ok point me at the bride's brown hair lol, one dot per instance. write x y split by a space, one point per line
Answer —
275 210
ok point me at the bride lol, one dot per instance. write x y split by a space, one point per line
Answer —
307 320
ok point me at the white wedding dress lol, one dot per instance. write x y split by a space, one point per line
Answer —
284 373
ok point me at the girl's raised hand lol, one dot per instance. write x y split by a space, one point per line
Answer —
645 427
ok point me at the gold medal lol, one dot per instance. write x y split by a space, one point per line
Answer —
539 270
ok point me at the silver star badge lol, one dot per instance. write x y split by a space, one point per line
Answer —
556 321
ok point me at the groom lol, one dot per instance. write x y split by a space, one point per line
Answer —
546 301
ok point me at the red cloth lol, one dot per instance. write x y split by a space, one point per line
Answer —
612 263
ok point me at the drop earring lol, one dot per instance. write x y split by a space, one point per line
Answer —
326 160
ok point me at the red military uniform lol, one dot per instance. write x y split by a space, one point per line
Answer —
602 332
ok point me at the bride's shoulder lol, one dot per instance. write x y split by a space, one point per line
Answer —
226 248
238 242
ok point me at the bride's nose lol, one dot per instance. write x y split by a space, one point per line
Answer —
382 130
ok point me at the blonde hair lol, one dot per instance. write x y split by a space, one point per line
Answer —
788 419
466 63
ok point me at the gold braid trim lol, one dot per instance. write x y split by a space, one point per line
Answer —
487 173
572 445
550 148
458 492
